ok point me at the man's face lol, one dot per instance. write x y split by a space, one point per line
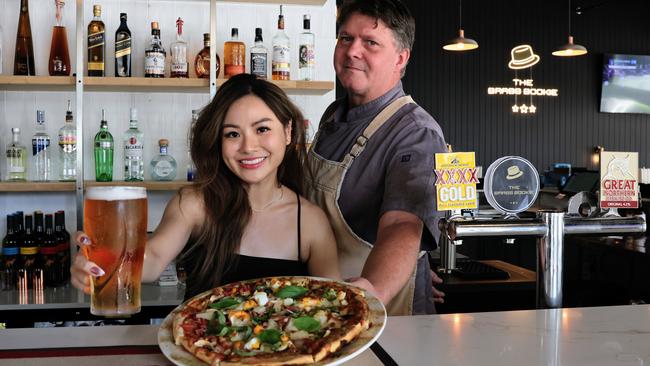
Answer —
367 61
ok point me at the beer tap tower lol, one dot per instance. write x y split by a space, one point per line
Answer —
549 226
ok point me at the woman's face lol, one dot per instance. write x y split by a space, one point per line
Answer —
253 140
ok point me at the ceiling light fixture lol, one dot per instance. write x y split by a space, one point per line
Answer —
460 43
570 49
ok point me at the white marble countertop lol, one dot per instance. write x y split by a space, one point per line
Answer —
607 336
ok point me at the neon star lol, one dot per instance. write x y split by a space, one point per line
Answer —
532 109
524 108
515 108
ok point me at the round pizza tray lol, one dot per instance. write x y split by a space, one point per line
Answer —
180 357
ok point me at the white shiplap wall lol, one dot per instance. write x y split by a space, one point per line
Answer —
160 114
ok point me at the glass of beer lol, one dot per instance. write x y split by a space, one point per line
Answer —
115 219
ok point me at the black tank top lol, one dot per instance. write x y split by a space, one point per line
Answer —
247 267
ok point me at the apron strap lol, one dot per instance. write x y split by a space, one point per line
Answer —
374 125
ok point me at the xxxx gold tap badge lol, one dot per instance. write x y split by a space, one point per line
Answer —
619 176
456 181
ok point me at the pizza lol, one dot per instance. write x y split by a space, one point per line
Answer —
271 321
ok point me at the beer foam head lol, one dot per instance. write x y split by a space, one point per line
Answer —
116 193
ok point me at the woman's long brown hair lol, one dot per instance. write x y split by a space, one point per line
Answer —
225 201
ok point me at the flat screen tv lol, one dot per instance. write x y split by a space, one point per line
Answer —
626 84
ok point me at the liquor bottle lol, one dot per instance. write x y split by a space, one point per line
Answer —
39 228
59 62
202 60
154 55
191 167
306 57
19 230
179 67
281 63
41 150
16 158
234 55
63 246
24 55
68 148
163 165
123 49
1 49
48 255
10 262
133 151
29 252
103 152
96 43
259 56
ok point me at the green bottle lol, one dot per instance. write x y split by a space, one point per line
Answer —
104 152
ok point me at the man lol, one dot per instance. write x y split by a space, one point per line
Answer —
373 159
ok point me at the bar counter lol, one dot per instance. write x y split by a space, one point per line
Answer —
608 336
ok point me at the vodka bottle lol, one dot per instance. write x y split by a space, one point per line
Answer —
103 152
163 165
259 56
41 150
281 64
133 150
306 61
68 148
16 158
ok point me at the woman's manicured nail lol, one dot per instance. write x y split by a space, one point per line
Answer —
97 271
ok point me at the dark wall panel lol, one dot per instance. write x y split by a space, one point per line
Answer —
453 86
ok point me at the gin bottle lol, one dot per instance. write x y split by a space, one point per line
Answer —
41 150
103 152
16 158
133 151
259 56
306 62
178 50
281 63
68 148
163 165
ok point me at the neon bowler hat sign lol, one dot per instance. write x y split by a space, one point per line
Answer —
523 57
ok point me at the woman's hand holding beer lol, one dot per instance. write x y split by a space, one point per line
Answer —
81 266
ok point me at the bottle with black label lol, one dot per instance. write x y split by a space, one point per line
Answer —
259 56
10 256
154 55
29 253
48 253
96 43
123 49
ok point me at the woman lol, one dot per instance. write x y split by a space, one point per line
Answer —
244 217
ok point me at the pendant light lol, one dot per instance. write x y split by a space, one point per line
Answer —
460 43
570 49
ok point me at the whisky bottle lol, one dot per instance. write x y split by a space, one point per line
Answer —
24 55
202 60
259 56
133 150
123 49
306 61
16 158
281 63
163 165
234 55
103 152
68 148
59 62
154 55
41 150
96 43
178 51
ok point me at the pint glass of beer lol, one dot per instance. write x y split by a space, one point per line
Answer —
115 219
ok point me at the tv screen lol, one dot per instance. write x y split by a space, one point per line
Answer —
626 84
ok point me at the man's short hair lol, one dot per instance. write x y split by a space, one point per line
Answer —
393 13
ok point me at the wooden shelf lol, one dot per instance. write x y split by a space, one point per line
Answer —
44 83
37 186
283 2
150 185
141 84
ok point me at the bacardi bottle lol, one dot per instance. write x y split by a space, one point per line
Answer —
133 150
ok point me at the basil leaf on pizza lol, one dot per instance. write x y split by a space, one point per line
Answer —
271 321
291 291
